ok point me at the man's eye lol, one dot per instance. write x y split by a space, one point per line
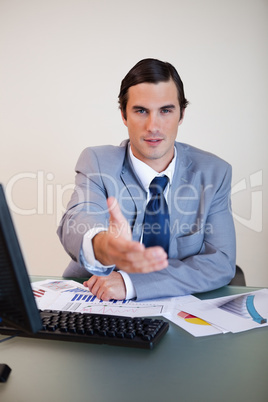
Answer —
141 111
165 111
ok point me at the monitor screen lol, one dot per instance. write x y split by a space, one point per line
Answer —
17 304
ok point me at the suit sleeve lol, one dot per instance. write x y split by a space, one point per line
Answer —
87 208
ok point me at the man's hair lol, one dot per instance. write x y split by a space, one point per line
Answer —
151 71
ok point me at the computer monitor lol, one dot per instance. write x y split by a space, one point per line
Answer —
17 304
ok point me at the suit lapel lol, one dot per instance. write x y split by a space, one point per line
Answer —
182 192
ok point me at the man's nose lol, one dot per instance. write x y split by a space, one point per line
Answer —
153 123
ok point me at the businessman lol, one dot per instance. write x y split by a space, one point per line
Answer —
151 217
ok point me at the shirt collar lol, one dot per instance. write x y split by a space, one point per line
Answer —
146 174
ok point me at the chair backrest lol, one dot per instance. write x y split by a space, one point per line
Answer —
239 278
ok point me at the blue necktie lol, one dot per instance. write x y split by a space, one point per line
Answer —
156 218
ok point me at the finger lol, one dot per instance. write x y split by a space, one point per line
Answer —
149 260
118 223
156 258
96 288
147 256
99 294
114 209
99 289
116 216
112 287
90 282
121 245
155 253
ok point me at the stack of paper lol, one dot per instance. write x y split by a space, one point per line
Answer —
199 317
225 314
72 296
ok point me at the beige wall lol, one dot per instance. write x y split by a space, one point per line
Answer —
61 64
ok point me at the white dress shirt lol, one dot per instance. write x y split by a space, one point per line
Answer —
146 174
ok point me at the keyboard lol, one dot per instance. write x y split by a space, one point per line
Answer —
96 328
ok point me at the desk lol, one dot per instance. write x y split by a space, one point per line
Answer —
182 368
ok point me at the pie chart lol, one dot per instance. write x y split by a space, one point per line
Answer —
192 319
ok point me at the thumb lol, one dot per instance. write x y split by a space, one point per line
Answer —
115 212
118 223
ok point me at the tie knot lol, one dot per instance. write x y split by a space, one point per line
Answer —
158 185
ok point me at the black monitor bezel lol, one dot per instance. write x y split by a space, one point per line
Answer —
23 314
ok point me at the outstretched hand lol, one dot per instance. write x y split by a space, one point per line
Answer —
116 247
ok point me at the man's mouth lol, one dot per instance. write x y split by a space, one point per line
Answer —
153 140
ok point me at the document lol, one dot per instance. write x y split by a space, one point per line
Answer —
190 323
199 317
232 313
72 296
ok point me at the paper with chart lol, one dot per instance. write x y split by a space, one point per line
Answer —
199 317
190 323
72 296
232 313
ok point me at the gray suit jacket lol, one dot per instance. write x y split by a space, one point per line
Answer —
202 241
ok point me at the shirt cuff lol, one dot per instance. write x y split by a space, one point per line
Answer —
130 290
87 256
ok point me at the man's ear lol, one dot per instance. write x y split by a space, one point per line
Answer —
182 117
123 118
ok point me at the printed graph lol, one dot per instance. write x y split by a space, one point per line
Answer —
124 310
88 303
243 306
192 319
75 290
57 285
39 292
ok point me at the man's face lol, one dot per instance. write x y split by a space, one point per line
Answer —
153 116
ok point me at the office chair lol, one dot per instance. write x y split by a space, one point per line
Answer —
239 278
